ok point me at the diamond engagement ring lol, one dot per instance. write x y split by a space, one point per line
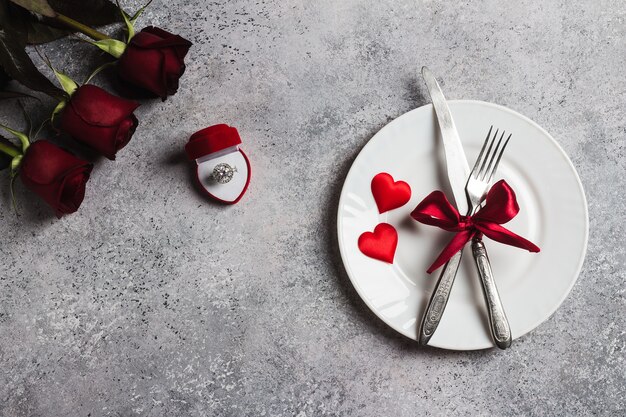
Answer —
223 173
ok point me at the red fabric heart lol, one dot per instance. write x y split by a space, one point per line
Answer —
388 194
380 244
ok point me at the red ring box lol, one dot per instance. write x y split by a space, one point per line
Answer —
215 145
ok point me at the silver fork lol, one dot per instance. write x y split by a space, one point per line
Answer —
478 185
476 189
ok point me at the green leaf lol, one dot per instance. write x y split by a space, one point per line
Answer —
138 13
130 28
131 20
111 46
5 159
69 86
15 163
16 62
35 135
58 109
98 71
38 6
13 177
21 136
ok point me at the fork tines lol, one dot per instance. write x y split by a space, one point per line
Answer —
492 158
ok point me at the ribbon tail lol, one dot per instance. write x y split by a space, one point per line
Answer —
500 234
456 244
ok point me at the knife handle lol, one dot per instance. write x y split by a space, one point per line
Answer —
439 299
498 323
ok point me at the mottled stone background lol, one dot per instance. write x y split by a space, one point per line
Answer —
153 301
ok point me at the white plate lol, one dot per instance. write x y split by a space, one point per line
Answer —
553 215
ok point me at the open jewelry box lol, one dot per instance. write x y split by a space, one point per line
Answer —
222 168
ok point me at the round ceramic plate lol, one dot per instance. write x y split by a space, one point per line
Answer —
553 215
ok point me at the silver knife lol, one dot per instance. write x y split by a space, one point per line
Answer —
458 172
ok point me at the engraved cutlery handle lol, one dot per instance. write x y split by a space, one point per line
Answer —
497 319
439 299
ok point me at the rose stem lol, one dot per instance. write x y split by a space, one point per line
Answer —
10 150
92 33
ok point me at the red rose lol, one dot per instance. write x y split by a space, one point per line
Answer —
154 60
55 175
99 119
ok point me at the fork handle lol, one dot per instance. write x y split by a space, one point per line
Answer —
498 323
439 299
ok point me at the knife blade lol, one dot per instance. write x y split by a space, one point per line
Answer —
458 171
456 162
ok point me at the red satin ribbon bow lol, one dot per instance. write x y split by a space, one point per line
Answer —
500 207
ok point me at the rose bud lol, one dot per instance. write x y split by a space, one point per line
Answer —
154 61
99 119
55 175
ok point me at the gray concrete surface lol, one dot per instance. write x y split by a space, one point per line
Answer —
153 301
